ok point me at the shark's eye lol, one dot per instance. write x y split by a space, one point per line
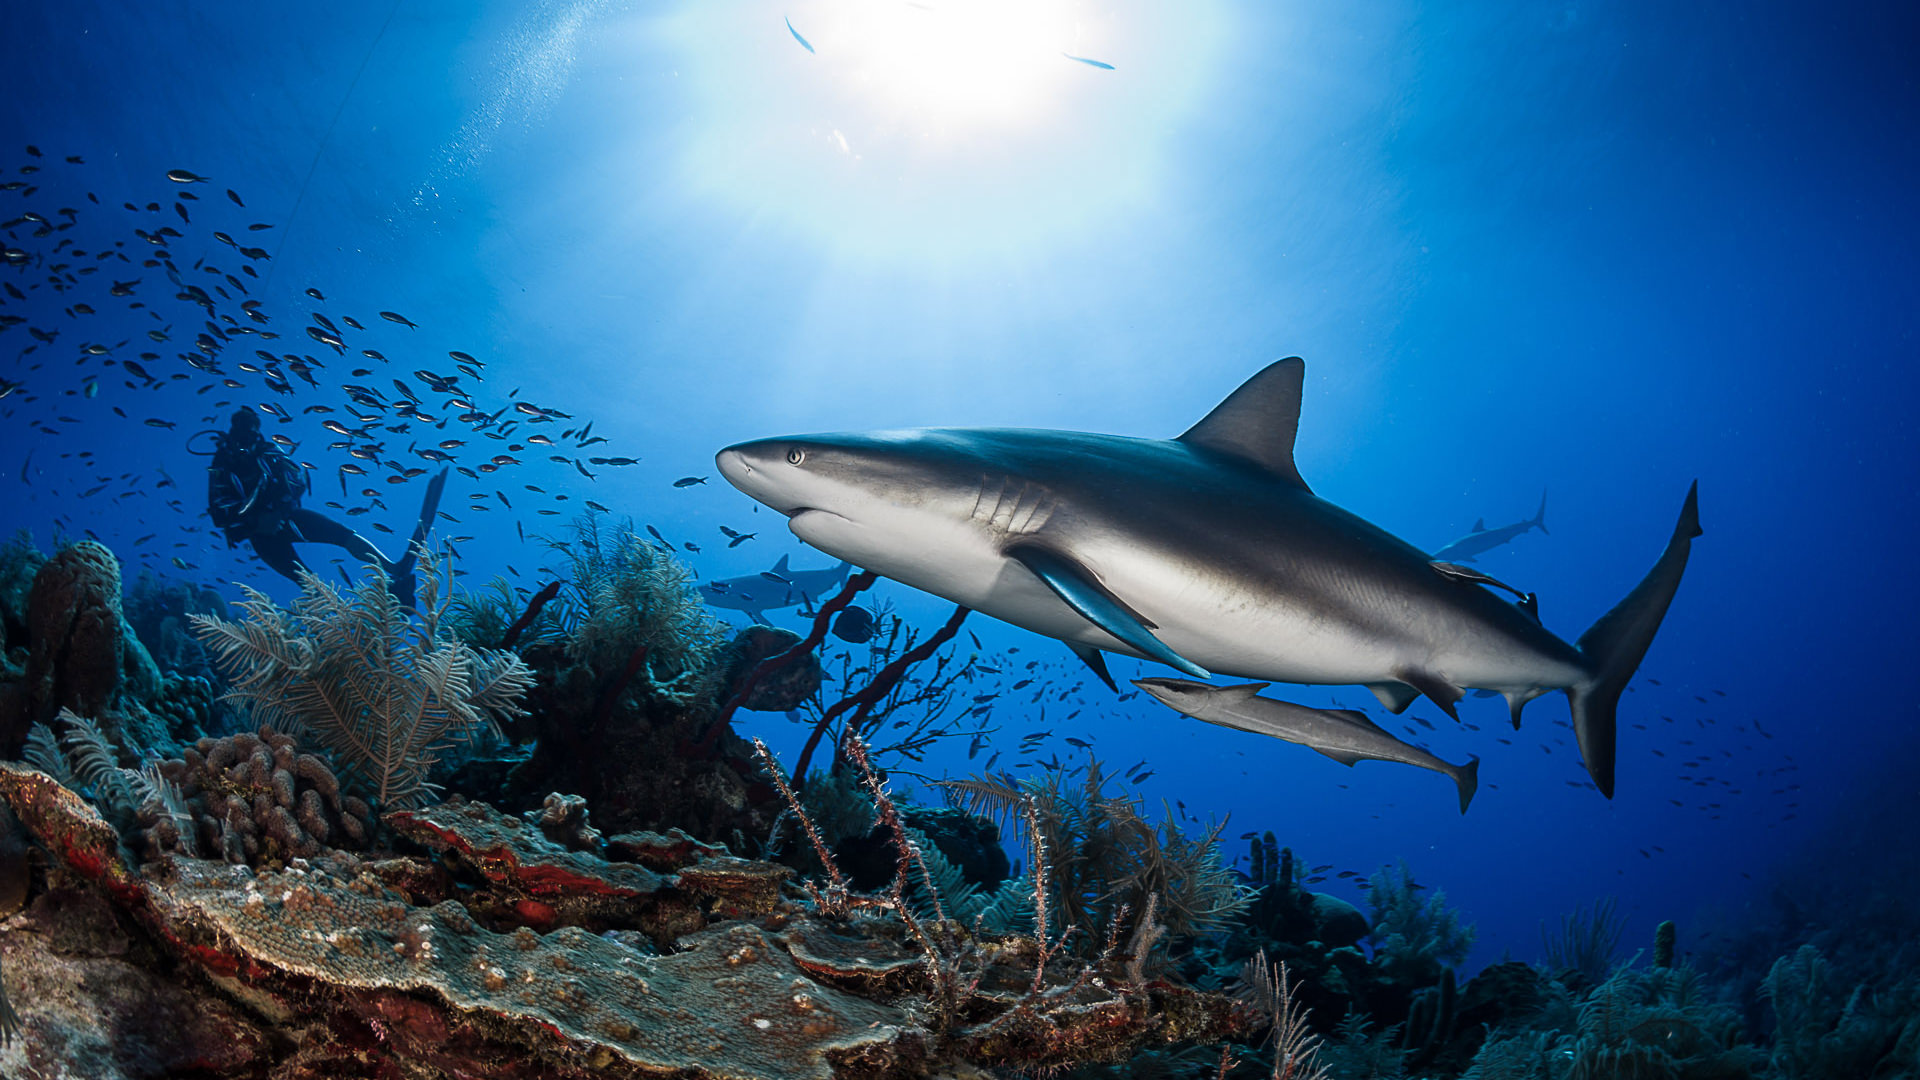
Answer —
795 455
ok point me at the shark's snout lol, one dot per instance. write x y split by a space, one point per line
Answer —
733 465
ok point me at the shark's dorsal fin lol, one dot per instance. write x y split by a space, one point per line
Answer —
781 566
1241 692
1258 422
1479 525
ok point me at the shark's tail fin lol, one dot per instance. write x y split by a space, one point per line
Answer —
1616 643
1540 519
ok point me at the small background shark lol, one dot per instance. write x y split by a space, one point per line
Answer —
780 587
1482 539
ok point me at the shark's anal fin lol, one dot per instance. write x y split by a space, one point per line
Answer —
1436 687
1071 582
1096 660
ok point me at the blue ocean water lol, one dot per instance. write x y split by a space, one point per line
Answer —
1594 250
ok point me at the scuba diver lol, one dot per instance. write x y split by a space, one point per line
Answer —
254 492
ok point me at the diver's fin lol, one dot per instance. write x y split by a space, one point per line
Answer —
429 510
1436 687
1096 660
1615 644
402 584
1396 696
1071 582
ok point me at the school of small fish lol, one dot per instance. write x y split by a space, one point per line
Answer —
162 327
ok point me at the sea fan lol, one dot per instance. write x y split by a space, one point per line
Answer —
355 674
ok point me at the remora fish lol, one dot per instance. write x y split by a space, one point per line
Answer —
1344 735
1206 552
1482 539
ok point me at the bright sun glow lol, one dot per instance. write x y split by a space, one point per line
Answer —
931 130
953 61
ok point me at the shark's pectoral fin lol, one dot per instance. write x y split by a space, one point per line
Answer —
1436 687
1096 660
1396 696
1072 583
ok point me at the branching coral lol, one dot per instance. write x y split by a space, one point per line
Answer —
482 617
352 673
1586 941
1658 1024
1821 1029
1102 855
629 595
85 760
1296 1049
1414 936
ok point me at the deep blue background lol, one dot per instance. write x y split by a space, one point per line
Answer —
1598 249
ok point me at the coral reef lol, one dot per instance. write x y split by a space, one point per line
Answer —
1105 857
158 609
786 689
354 674
632 596
254 799
375 968
1583 949
80 652
1414 936
486 618
173 902
1822 1028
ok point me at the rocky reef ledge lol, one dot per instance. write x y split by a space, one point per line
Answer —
489 946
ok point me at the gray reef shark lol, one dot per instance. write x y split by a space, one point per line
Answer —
1482 539
780 587
1207 552
1344 735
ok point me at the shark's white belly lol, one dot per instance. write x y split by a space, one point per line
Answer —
1215 620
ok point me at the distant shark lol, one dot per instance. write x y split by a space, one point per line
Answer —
780 587
1482 539
1344 735
1205 552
